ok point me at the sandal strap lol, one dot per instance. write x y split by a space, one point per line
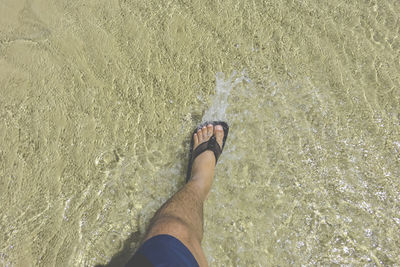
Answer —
209 145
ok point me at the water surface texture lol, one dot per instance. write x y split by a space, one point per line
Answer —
99 98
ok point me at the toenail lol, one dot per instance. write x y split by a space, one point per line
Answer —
218 127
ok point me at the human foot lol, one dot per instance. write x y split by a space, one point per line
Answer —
204 164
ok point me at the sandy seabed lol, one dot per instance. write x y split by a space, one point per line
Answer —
98 100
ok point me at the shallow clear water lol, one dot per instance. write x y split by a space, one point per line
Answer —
98 101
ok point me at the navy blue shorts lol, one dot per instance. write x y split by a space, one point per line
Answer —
163 251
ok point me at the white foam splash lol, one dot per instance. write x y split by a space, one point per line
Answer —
217 110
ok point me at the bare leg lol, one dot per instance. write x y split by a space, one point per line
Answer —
182 215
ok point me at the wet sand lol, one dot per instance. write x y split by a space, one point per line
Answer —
98 101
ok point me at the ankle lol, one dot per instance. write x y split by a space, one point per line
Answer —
200 185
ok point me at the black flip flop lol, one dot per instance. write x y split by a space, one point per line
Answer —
211 144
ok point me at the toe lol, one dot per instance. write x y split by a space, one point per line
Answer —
200 135
195 140
210 130
204 131
219 134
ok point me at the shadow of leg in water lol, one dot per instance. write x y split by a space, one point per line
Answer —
135 239
122 257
